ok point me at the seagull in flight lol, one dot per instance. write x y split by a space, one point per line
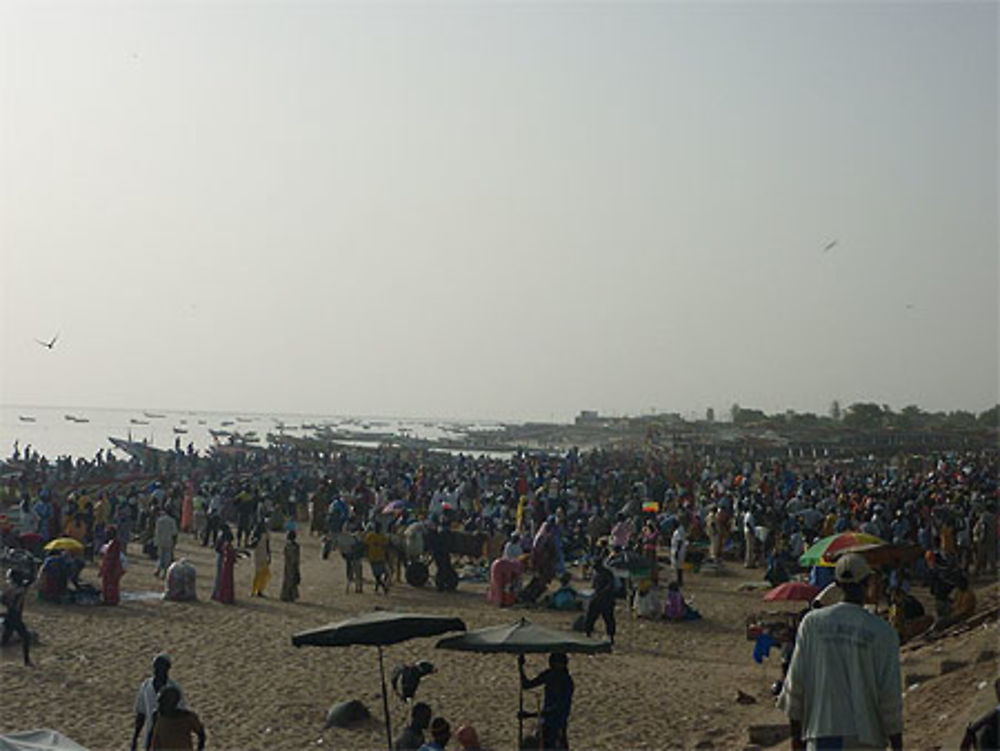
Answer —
830 246
49 344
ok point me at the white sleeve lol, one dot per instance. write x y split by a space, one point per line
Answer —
792 698
890 689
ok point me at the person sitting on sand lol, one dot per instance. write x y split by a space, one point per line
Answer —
907 616
53 578
961 607
648 601
412 737
440 735
676 608
566 597
173 726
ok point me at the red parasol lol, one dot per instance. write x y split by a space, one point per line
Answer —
792 591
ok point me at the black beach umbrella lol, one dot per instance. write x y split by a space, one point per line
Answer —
521 638
379 629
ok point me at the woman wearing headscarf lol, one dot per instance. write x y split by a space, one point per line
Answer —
111 568
292 576
261 546
225 588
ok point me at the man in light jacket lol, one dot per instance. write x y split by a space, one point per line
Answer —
844 685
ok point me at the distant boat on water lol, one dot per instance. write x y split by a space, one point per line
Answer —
226 422
243 419
26 418
219 433
154 415
180 431
135 421
74 418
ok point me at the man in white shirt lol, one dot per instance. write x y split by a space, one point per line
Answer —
844 685
145 700
678 550
749 539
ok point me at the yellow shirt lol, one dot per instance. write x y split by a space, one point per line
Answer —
375 546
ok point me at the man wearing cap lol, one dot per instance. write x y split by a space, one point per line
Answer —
146 700
844 685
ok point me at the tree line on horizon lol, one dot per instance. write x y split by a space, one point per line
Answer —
869 416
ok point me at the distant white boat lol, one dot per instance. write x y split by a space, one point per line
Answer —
74 418
180 431
135 421
154 415
26 418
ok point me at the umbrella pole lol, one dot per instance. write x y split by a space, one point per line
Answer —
385 699
520 711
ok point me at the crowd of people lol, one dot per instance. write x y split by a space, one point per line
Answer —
533 516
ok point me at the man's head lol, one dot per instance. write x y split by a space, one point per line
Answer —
420 715
161 664
440 730
852 573
168 699
558 660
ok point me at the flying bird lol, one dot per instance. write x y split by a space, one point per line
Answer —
49 344
830 246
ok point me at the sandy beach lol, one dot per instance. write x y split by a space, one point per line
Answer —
665 685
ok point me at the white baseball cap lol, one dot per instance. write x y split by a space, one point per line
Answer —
852 568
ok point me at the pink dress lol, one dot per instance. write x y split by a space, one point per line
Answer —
504 574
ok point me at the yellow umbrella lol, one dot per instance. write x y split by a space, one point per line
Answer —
65 543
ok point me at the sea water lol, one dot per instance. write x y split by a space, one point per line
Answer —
49 432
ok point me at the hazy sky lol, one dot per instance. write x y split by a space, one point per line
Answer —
498 210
